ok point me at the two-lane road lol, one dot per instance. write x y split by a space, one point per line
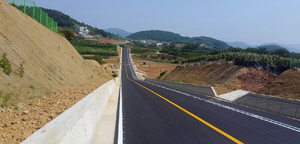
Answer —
155 115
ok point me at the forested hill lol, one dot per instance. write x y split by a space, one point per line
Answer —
208 41
66 22
174 37
157 35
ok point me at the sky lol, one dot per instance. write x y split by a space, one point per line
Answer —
251 21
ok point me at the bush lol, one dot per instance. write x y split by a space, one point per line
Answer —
114 75
69 35
5 64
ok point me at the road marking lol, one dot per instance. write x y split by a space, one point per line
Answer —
186 111
212 101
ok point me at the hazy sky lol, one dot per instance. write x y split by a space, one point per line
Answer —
249 21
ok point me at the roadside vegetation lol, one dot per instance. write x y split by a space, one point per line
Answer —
99 59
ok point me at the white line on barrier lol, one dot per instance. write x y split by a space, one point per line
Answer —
234 109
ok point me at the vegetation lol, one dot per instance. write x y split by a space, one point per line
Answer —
96 58
250 59
165 36
69 35
20 71
114 75
156 35
155 58
5 98
66 22
89 47
5 64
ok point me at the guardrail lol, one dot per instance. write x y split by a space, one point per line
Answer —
78 124
204 90
282 106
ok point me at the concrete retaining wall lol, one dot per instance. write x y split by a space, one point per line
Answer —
204 90
76 125
282 106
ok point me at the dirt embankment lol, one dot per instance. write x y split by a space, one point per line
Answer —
148 69
48 75
224 78
286 85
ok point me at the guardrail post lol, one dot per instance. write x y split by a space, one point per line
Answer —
33 14
41 12
24 11
47 20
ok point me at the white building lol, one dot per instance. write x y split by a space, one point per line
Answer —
82 30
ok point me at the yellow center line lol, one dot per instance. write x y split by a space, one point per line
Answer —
186 111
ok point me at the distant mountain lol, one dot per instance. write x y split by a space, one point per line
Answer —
291 48
159 35
239 44
271 47
156 35
208 41
118 31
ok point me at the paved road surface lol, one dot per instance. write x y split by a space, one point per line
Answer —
155 115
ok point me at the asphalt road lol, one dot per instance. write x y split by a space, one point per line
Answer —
155 115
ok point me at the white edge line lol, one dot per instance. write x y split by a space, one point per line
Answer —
236 110
120 124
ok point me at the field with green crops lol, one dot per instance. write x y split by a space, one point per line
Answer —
137 49
88 47
272 60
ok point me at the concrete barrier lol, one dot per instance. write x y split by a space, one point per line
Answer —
282 106
78 124
204 90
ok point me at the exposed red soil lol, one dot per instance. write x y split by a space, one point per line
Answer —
150 49
286 85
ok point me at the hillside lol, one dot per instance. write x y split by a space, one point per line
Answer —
238 44
118 31
156 35
165 36
271 47
48 75
66 22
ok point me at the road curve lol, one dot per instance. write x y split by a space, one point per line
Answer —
156 115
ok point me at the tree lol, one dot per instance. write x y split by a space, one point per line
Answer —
69 35
191 46
172 45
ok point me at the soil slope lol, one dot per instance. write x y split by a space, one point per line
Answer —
50 62
224 78
52 78
286 85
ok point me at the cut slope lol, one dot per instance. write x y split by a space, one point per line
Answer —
50 62
224 78
286 85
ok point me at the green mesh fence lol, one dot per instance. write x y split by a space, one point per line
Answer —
28 7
